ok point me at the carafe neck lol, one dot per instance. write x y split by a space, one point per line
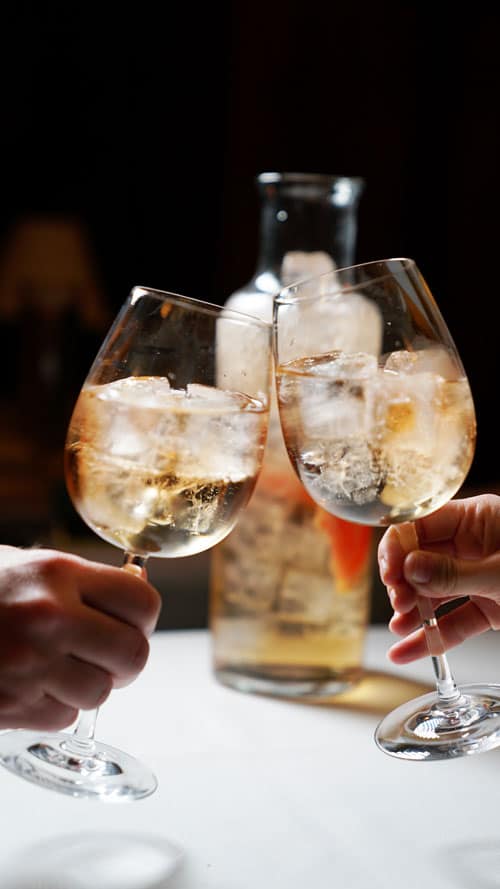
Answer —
305 213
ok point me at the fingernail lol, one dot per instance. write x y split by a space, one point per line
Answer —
420 568
138 570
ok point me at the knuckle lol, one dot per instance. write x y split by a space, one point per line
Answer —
448 575
45 616
53 567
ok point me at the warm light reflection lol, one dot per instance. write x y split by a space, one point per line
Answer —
376 692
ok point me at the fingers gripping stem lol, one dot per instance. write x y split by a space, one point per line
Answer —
445 683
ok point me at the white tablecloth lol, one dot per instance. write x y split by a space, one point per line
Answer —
261 793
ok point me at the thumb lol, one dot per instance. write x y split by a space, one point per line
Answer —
442 576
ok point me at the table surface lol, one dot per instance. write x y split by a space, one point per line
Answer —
258 792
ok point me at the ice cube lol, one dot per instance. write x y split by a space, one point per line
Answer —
349 472
127 438
338 321
353 322
255 585
418 440
251 584
405 409
197 507
108 424
142 417
305 598
343 365
298 265
218 444
409 479
217 440
435 359
401 361
145 391
456 428
241 363
336 406
211 398
334 410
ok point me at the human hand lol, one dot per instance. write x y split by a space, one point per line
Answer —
459 557
70 631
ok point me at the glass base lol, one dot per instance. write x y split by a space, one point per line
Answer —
288 682
54 761
424 729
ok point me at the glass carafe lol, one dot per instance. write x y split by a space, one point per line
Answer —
290 586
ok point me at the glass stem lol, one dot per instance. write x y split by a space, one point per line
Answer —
446 686
81 742
135 564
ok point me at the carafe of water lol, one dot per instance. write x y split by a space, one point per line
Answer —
290 586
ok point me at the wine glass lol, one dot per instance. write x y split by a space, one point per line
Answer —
163 451
383 436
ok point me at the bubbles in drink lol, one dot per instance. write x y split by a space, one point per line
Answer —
378 441
159 470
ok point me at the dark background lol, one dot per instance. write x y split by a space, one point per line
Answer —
150 127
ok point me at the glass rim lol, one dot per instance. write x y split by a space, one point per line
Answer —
204 307
288 295
276 177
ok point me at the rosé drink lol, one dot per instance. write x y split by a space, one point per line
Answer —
378 440
290 590
153 469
